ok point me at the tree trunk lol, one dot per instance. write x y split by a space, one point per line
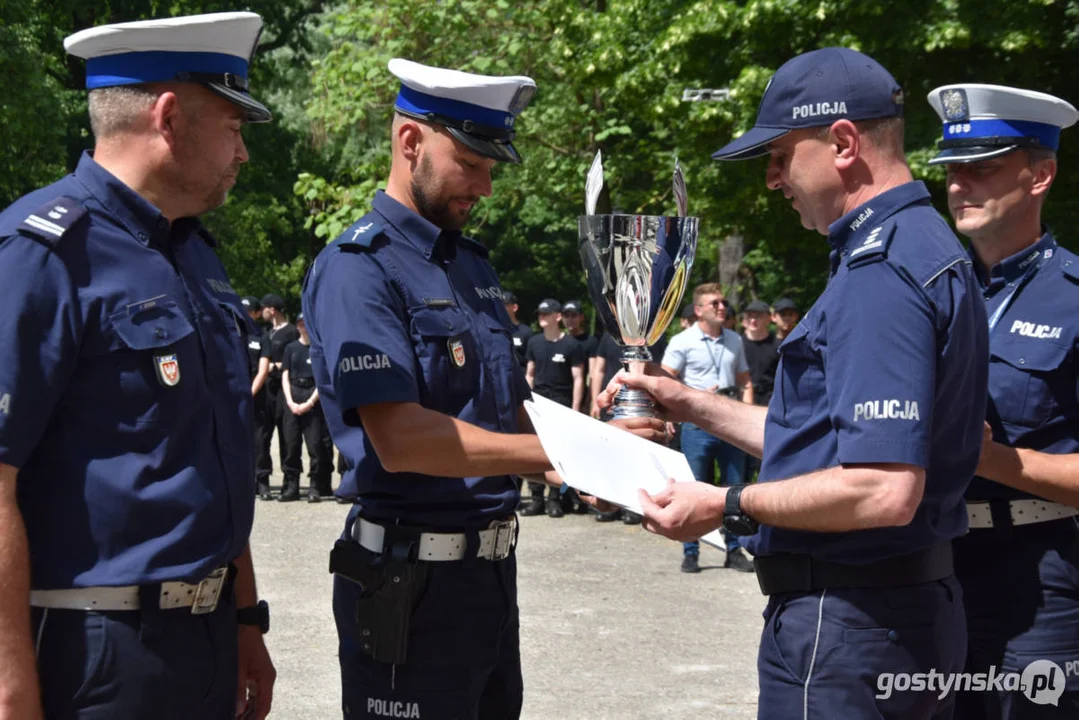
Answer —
731 253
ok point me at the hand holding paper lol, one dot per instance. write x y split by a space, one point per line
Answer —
602 460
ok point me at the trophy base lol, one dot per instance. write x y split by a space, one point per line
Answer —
633 404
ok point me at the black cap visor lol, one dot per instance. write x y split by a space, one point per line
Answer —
502 151
970 153
254 111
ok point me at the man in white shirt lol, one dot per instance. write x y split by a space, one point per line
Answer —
707 356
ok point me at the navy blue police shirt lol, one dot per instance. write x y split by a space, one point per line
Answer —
888 366
401 311
1032 300
125 392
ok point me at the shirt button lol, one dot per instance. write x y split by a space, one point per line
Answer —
893 635
143 236
159 333
1022 361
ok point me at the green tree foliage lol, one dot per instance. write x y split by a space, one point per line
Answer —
45 127
611 76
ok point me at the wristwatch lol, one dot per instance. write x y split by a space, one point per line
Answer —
258 615
735 521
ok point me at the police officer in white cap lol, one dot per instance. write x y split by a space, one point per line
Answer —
125 399
1019 564
424 399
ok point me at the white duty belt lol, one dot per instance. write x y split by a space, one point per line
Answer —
1023 512
495 543
201 597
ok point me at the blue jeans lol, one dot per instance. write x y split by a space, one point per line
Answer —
703 451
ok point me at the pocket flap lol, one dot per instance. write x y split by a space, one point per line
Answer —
1031 355
157 327
440 322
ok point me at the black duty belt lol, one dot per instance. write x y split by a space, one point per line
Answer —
786 573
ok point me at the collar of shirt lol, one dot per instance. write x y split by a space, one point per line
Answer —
1012 268
851 229
427 237
137 214
702 336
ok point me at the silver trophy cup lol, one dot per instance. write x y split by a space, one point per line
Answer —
637 268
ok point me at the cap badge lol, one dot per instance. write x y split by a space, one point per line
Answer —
457 352
955 106
168 369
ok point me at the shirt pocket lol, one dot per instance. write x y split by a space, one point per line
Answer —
235 348
799 383
152 363
1028 381
449 356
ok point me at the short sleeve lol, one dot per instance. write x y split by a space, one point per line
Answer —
530 349
362 328
880 367
40 335
286 359
675 356
577 356
264 342
743 364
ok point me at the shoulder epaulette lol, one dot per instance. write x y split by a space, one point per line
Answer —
874 248
51 221
207 237
1069 263
359 237
474 245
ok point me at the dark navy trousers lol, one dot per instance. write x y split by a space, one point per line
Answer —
464 655
840 653
1021 591
137 664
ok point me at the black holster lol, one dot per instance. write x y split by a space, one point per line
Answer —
391 583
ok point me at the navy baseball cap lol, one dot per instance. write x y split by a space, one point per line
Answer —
550 305
251 303
815 89
508 297
572 306
757 306
273 301
784 304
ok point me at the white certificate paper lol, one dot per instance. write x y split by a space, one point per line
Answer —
602 460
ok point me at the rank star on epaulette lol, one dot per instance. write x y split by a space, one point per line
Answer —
168 369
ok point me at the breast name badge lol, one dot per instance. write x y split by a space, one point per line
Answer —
457 352
168 369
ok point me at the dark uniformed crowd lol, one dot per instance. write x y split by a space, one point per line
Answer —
914 435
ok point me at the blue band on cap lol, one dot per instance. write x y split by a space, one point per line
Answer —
1048 136
414 101
157 66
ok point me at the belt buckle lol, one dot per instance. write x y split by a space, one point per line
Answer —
503 531
208 592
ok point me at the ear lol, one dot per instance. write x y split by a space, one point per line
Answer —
166 116
846 143
409 139
1045 171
